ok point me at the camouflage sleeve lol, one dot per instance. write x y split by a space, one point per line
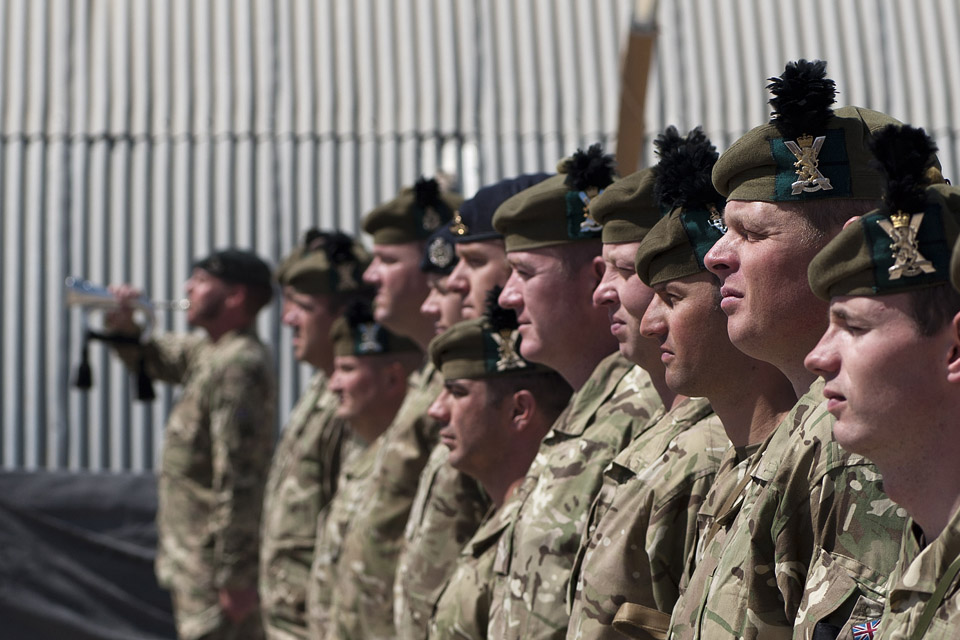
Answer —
857 536
167 356
241 426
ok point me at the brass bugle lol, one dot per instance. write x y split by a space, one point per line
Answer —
83 293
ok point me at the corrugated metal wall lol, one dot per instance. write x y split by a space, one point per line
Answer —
137 135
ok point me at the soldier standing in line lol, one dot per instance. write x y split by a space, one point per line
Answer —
643 524
362 599
495 410
370 383
482 263
891 362
318 280
808 539
449 505
217 444
554 250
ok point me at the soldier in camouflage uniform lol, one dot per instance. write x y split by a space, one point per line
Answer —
803 545
217 446
482 263
494 411
891 365
370 381
318 280
554 249
643 524
449 505
362 605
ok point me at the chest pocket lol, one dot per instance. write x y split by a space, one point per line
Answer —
187 448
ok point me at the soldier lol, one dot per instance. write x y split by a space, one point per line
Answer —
362 605
494 411
442 305
808 538
217 446
891 361
371 367
318 280
482 263
643 524
553 247
449 505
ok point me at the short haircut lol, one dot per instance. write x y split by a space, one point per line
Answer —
548 388
574 256
932 308
825 218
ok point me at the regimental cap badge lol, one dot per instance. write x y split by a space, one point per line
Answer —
802 101
903 155
505 334
368 338
458 228
441 253
588 174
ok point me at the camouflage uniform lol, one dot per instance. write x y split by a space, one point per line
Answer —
463 606
533 564
642 525
362 605
213 468
920 570
812 541
302 480
334 525
448 509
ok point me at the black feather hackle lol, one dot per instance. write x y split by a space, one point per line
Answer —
903 154
590 168
683 173
426 192
802 100
358 312
500 319
337 245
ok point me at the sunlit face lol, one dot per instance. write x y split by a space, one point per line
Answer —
685 319
625 297
883 379
552 305
310 317
472 427
401 286
442 306
482 266
357 383
207 294
762 264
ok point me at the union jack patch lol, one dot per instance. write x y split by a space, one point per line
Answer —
866 630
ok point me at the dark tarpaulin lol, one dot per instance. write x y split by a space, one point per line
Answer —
76 558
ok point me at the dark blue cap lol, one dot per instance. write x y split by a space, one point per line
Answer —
474 220
439 255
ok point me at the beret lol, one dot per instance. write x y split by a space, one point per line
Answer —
474 221
413 215
355 333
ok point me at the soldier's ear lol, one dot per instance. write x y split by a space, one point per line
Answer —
524 407
953 360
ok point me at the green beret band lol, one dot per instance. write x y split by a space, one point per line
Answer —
627 209
955 266
676 245
404 219
471 349
547 214
763 166
880 254
367 339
